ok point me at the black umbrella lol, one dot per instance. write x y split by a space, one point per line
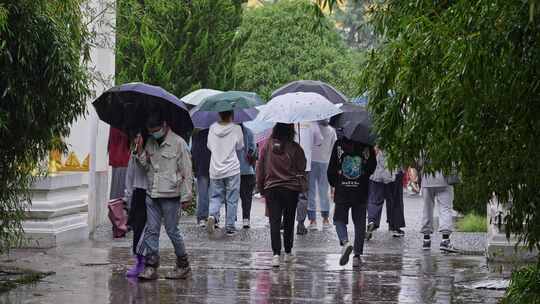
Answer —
312 86
127 106
355 124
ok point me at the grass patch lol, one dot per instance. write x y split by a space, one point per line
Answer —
12 277
524 286
472 223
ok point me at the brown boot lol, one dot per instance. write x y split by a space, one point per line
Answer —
150 269
182 269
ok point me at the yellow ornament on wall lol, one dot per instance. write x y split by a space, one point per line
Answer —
86 163
72 163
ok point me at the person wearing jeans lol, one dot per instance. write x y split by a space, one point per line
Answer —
307 135
350 166
201 164
224 140
247 157
435 188
318 181
224 190
281 162
166 159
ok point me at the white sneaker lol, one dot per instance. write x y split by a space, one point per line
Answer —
246 223
275 261
312 226
290 257
202 223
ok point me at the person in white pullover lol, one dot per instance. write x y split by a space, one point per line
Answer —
224 140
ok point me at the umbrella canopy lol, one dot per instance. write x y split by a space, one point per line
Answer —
261 129
127 106
204 119
229 101
241 103
196 97
297 107
361 100
355 124
319 87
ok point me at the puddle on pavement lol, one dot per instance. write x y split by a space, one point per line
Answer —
247 277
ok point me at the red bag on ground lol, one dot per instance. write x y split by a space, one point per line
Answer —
118 217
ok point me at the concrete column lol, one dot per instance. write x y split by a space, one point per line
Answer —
500 248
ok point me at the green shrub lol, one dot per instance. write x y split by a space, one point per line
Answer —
282 42
178 45
524 286
469 197
44 47
472 223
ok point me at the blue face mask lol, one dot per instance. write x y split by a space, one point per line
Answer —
158 134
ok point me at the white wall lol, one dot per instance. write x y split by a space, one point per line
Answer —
89 135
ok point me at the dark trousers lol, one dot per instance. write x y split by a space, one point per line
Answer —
378 194
281 202
247 184
396 216
341 219
137 215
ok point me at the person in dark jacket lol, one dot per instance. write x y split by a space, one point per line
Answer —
282 162
350 166
201 163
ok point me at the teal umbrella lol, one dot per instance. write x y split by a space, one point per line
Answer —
229 101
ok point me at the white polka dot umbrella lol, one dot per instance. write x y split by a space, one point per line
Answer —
297 107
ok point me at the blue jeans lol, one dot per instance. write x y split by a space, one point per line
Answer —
318 183
225 190
156 209
203 185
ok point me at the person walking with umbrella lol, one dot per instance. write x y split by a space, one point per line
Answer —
282 166
310 138
225 140
350 166
280 163
167 162
352 162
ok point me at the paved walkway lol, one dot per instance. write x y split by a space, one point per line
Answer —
237 270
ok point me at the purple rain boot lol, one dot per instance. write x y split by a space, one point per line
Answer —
137 268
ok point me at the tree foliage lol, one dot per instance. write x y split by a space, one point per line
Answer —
178 45
467 93
285 41
43 87
352 19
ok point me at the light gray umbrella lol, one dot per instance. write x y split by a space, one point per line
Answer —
296 108
312 86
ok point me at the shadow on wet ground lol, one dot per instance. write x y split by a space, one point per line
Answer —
238 270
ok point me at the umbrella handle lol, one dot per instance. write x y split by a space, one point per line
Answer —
299 132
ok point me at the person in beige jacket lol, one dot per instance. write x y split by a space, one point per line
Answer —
167 162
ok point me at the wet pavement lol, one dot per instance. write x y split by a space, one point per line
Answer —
238 270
